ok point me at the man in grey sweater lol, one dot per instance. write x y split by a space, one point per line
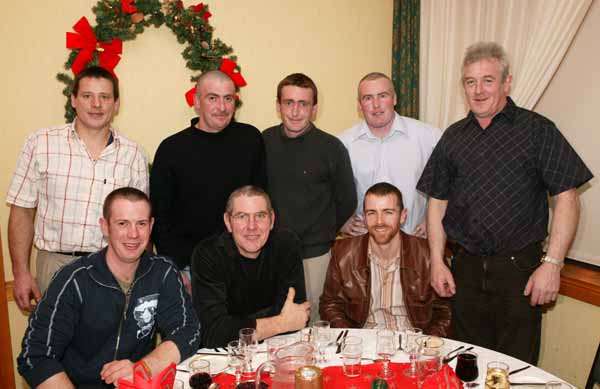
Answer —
309 179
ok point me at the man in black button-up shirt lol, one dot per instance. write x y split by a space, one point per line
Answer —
489 179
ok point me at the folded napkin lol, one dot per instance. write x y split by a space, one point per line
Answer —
142 379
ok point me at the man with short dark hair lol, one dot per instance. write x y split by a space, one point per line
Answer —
100 312
196 169
387 147
250 276
381 279
63 175
489 179
309 179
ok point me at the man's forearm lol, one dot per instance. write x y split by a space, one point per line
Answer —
57 381
564 223
436 209
268 326
162 356
20 238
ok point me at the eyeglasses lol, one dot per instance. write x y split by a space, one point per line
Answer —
242 217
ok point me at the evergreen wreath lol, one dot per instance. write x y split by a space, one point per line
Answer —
123 20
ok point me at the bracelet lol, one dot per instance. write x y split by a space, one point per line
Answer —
554 261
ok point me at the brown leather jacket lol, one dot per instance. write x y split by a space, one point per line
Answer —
347 291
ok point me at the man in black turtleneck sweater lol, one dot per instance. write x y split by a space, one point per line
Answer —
196 169
310 179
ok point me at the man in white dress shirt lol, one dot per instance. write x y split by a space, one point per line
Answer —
387 147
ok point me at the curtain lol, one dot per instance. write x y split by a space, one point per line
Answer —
405 56
535 34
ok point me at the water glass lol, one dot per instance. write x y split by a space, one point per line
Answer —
321 337
249 339
236 357
466 368
386 349
351 355
496 376
428 363
412 348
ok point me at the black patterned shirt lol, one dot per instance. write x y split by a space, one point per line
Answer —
497 180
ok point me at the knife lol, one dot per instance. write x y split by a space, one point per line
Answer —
340 342
528 383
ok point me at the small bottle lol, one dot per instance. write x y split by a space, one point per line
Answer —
379 383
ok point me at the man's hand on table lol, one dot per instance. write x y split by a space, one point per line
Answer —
112 371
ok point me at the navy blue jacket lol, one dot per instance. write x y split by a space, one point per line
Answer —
83 320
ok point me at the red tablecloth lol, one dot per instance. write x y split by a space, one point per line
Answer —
333 378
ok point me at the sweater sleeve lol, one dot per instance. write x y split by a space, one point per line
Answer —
50 330
176 316
162 185
344 187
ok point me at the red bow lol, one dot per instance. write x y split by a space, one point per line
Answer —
85 39
127 7
227 67
142 378
206 15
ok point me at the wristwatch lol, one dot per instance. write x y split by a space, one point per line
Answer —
554 261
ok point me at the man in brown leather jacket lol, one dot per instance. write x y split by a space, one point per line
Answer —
382 279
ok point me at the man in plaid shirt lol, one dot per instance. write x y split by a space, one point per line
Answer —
62 177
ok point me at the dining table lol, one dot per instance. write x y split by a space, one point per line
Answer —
530 377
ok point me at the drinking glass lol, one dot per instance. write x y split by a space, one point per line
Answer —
236 357
496 376
385 349
178 384
321 337
250 341
411 347
429 362
200 373
351 354
466 368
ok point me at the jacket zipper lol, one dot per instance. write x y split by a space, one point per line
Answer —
127 299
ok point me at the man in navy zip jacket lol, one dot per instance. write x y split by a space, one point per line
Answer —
100 313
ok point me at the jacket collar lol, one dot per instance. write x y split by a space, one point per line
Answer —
363 248
100 272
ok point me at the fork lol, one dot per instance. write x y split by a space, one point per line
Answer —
341 340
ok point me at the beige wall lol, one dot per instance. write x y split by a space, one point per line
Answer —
335 42
572 100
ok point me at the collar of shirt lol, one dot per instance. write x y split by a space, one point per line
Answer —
509 112
387 266
398 127
113 136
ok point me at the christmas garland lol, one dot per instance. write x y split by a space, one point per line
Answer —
122 20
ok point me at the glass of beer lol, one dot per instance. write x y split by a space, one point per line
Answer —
497 376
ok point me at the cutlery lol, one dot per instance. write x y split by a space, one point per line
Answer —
528 383
399 341
450 359
519 370
341 341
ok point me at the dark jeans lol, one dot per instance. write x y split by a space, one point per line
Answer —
489 308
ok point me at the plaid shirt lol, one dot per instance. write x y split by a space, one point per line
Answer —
56 175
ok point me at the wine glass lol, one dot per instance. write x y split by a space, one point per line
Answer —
411 347
321 337
466 368
385 350
236 357
428 363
